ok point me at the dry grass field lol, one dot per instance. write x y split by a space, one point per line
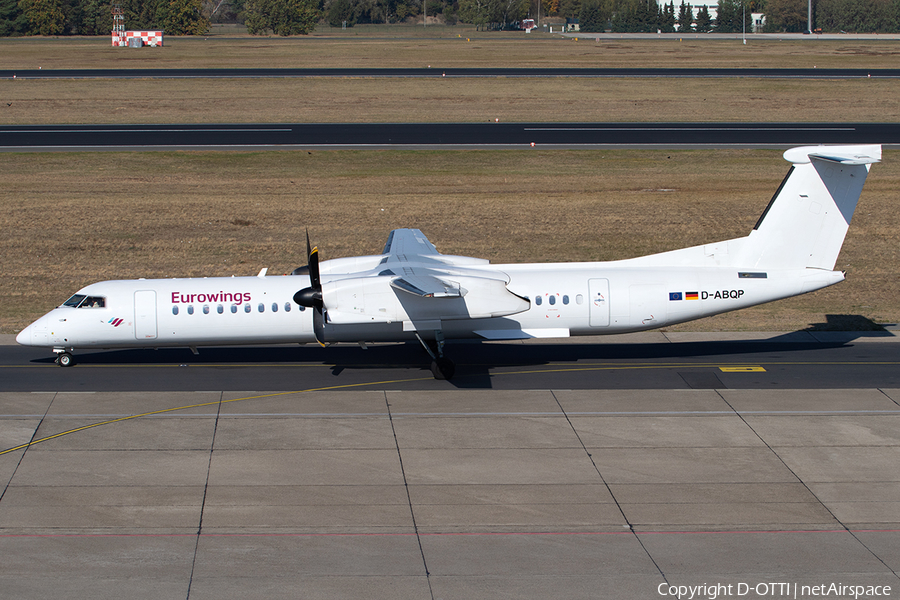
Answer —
68 219
445 47
446 100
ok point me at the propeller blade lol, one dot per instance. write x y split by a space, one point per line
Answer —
311 297
312 255
319 326
314 280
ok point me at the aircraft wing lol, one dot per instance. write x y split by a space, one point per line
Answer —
416 284
409 242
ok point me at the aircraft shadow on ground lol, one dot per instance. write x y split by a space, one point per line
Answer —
476 362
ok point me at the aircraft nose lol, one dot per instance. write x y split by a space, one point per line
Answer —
24 336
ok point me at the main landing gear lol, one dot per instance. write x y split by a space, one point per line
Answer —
64 359
441 366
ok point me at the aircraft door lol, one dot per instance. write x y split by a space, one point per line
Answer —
648 305
145 315
598 297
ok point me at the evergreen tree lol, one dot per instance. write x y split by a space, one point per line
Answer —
183 17
569 9
473 11
732 17
858 16
703 23
685 17
12 19
593 17
786 16
45 17
341 12
636 16
281 17
507 13
89 17
667 18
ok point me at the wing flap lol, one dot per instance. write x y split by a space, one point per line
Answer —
426 286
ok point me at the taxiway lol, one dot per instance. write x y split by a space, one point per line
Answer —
385 488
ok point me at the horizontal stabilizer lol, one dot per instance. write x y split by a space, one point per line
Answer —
845 155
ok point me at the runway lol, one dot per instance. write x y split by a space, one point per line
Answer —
440 135
653 360
438 72
569 483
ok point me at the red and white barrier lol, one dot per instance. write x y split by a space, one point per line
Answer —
148 38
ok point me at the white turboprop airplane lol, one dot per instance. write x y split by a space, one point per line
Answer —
410 291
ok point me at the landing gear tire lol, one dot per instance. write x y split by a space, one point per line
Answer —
443 368
64 359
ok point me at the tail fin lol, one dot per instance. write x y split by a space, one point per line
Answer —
806 221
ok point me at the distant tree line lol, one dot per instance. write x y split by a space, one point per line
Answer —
648 16
291 17
339 13
94 17
734 16
832 16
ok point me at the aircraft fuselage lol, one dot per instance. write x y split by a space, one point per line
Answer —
566 299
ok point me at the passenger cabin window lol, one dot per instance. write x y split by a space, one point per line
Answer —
274 307
247 308
565 299
552 299
234 308
220 309
206 309
174 310
579 299
262 307
190 309
287 307
538 300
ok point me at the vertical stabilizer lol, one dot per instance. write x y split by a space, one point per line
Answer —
806 221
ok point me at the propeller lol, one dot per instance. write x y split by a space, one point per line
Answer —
311 297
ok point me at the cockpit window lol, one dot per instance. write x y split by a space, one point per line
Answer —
82 301
75 300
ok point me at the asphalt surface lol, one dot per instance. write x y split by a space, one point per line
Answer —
635 467
452 135
443 494
451 72
817 360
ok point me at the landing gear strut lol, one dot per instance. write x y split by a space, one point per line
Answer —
441 367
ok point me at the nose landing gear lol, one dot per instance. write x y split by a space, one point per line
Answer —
64 359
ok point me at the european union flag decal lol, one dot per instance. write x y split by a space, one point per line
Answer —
674 295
